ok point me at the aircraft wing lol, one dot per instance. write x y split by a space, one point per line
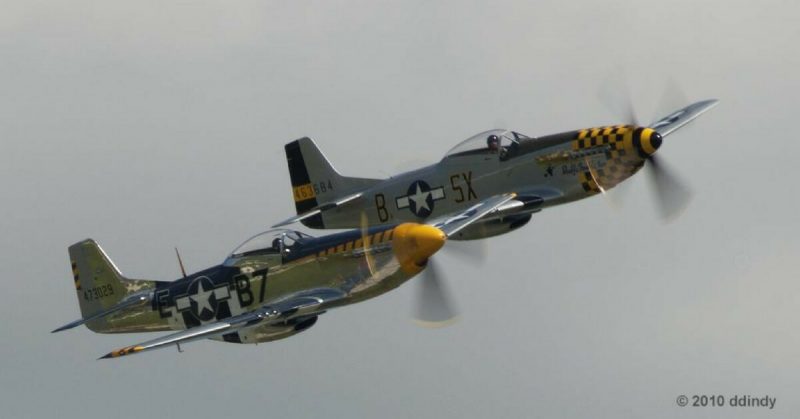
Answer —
454 223
319 209
305 303
681 117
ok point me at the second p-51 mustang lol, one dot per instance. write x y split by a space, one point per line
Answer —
542 172
272 286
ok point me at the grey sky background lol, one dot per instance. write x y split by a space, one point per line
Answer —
148 125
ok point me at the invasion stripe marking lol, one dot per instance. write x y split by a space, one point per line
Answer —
380 237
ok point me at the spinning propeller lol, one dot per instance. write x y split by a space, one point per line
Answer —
415 245
671 194
434 306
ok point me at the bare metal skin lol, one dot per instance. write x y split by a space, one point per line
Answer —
543 172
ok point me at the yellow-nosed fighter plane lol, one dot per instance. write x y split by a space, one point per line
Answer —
274 285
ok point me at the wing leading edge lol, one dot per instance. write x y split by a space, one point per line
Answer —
454 223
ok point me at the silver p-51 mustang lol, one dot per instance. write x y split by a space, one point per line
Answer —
541 172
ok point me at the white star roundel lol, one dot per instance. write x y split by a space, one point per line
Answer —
202 298
420 198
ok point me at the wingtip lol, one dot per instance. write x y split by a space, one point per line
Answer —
122 352
62 328
285 222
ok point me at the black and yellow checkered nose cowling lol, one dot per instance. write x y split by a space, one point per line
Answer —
646 141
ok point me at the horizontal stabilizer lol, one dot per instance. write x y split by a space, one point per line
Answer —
319 209
133 300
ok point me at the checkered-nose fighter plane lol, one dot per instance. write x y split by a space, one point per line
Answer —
541 172
274 285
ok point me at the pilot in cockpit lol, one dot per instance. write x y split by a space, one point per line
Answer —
276 245
493 142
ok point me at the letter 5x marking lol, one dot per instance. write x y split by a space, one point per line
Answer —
456 185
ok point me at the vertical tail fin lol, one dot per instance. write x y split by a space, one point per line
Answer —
97 280
315 181
101 287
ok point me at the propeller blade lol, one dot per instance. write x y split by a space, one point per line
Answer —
433 306
611 196
672 98
672 195
364 243
616 96
474 252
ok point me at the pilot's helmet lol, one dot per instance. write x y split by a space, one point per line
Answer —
493 142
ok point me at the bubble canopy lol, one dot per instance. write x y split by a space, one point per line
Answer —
269 242
480 142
